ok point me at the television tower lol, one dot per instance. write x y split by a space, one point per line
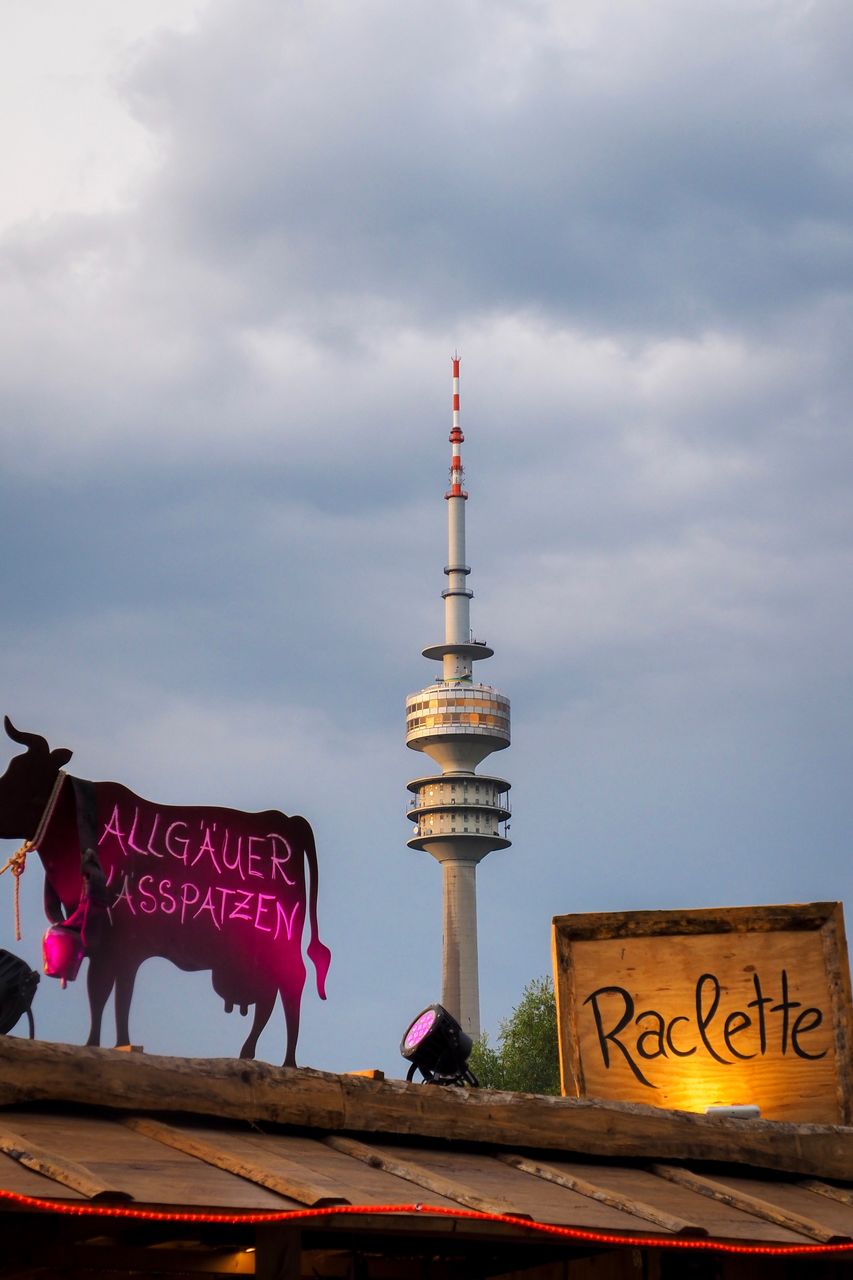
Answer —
459 815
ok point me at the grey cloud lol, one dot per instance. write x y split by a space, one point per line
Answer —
681 172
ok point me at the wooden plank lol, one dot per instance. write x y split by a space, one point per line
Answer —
721 1222
56 1167
572 1082
415 1173
842 1194
841 996
340 1174
542 1201
146 1170
293 1185
36 1071
636 1208
754 1205
644 924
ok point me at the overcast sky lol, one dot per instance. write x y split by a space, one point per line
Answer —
240 241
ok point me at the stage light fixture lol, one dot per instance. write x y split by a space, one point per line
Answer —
436 1045
18 984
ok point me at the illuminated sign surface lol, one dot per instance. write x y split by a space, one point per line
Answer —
692 1009
200 868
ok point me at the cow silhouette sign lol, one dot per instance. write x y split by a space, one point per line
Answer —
202 886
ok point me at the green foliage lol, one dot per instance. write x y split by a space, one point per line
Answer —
526 1058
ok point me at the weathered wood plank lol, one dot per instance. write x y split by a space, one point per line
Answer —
341 1175
642 924
423 1178
56 1167
841 996
841 1194
36 1071
293 1184
754 1205
637 1208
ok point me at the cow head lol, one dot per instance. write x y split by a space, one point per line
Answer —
27 783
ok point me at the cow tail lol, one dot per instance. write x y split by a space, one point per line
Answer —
318 953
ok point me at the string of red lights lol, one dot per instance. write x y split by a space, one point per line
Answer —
303 1215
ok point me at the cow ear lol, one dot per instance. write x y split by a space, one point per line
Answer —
60 756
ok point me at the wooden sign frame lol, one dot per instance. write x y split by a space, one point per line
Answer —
626 952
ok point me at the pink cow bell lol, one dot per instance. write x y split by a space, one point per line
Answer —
63 953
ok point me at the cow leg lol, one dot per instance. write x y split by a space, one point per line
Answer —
99 983
125 980
292 1001
291 985
263 1010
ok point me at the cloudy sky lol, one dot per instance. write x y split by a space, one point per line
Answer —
239 242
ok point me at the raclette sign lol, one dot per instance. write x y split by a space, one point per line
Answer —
687 1010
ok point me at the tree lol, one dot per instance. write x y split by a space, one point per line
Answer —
526 1058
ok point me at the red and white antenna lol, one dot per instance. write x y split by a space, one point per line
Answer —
456 439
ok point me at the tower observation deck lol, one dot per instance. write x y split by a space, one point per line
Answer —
459 815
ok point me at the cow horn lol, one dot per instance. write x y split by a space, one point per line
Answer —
33 741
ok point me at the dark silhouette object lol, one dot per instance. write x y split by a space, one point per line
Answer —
26 785
203 886
18 984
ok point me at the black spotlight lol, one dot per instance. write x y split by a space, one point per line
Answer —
18 984
436 1045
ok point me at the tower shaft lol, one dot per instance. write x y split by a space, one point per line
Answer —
459 815
460 973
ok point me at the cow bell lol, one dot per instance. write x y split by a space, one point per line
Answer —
63 953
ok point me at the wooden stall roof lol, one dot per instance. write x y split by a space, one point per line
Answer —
103 1128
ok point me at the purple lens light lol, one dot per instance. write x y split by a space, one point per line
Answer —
419 1028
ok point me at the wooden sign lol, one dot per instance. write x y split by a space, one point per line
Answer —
691 1009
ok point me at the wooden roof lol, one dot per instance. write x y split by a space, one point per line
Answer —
136 1136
